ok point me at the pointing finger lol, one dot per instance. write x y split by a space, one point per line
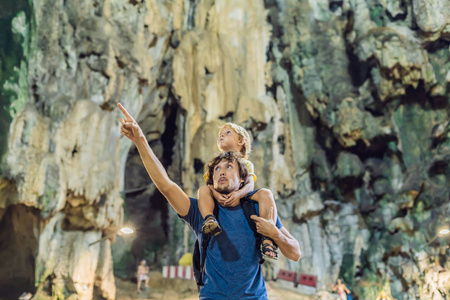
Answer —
125 112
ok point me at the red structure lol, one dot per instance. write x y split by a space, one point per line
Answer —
286 275
309 280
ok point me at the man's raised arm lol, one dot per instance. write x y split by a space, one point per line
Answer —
173 193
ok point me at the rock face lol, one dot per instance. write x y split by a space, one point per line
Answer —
346 103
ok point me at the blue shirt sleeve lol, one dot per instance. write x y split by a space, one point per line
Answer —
279 224
193 217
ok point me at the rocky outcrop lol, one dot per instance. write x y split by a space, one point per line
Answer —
346 103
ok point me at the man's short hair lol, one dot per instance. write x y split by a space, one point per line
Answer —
230 156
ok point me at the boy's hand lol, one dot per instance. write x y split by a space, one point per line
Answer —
221 198
233 199
129 127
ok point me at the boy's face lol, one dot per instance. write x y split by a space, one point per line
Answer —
229 140
226 177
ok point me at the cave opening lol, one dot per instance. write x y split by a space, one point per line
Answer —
19 230
146 207
359 70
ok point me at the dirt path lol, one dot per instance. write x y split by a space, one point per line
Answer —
179 289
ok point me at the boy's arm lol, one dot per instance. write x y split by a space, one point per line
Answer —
221 198
248 187
288 245
173 193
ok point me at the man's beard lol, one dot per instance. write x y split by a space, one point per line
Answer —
225 190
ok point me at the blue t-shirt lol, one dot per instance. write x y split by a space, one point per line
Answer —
232 269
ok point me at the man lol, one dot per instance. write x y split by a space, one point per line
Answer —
232 269
142 274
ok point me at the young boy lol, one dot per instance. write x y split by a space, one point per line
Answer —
233 137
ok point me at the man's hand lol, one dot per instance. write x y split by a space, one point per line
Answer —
265 227
129 127
287 244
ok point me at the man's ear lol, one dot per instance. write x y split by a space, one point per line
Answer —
241 183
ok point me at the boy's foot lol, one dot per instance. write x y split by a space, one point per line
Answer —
269 249
211 226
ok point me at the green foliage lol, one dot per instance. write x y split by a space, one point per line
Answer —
14 41
348 165
415 124
377 15
43 270
369 286
124 265
347 270
177 237
124 261
441 64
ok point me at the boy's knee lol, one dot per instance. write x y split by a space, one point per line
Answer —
203 188
264 193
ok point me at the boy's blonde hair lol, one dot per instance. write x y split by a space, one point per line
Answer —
243 134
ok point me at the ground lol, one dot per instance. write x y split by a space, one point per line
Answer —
178 289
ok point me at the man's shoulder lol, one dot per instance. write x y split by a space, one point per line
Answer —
193 217
193 208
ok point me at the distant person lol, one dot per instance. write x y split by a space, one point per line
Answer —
349 295
341 290
383 296
142 274
324 294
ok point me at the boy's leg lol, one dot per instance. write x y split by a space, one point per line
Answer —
206 206
264 197
205 201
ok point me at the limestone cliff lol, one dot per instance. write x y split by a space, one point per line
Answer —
346 101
